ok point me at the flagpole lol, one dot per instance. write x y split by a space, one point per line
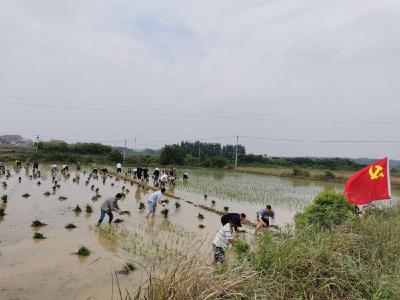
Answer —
388 178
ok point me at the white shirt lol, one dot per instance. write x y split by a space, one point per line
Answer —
164 177
118 165
223 236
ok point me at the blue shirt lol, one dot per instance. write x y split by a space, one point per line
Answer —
262 213
153 197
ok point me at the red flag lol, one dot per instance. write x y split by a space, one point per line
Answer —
369 184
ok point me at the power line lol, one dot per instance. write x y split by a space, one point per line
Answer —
318 141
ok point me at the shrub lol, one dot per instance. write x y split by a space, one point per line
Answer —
38 236
329 174
83 251
300 173
328 209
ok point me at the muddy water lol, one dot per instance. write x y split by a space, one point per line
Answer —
47 269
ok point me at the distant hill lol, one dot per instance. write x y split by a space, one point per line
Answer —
366 161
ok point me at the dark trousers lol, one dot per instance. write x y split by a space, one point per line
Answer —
103 214
219 255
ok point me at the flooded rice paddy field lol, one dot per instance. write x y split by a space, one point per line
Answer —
48 269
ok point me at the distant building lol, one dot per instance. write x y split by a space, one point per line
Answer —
16 140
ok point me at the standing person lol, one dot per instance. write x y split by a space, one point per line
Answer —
139 172
146 174
222 239
156 174
78 165
153 200
108 206
119 168
235 218
263 216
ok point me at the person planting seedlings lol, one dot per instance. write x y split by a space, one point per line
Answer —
235 218
263 216
221 242
108 206
153 200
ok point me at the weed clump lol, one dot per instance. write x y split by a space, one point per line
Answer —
89 209
38 236
26 195
83 251
2 212
47 194
128 268
141 205
70 226
4 198
177 204
329 209
165 212
77 209
38 223
200 216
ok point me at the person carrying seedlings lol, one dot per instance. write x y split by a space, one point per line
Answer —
222 239
119 168
263 216
152 202
107 207
235 218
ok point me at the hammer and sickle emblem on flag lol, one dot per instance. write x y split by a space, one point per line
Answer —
377 173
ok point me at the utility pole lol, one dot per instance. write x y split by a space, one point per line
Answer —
37 144
125 151
135 143
236 152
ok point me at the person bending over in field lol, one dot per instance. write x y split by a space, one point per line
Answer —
153 200
263 216
107 207
235 218
222 239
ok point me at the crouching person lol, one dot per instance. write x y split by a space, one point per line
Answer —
108 206
222 239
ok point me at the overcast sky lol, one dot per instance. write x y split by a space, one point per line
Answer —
165 71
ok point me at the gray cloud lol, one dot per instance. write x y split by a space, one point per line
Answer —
307 69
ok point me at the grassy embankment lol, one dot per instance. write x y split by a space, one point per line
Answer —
313 174
357 259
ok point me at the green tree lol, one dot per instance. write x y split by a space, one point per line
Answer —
172 154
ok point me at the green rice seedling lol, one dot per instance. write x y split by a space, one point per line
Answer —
200 216
141 205
4 198
38 236
213 202
166 201
127 191
26 195
126 212
47 194
38 223
2 212
96 197
226 208
118 221
4 184
201 226
240 247
177 204
165 212
70 226
83 251
62 198
128 268
89 209
77 209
